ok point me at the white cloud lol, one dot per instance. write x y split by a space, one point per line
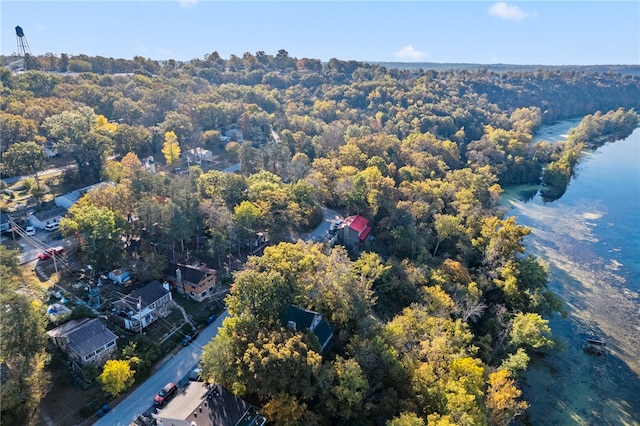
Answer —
187 3
408 52
504 11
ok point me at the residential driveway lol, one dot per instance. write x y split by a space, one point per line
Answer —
33 246
322 231
175 369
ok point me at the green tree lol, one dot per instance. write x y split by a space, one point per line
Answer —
22 347
136 139
263 295
79 137
96 229
348 389
287 410
530 330
446 226
25 158
280 361
116 377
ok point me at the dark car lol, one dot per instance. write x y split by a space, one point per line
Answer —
165 394
211 319
189 338
194 376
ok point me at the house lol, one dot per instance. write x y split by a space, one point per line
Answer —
145 305
300 319
85 341
234 134
67 200
354 231
198 155
149 164
197 282
41 219
207 405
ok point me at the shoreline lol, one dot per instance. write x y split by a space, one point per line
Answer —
589 238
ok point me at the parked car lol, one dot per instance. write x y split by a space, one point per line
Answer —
53 226
194 376
189 338
51 251
30 230
211 319
166 393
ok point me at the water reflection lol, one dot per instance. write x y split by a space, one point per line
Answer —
590 238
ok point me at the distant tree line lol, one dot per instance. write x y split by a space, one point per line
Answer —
435 318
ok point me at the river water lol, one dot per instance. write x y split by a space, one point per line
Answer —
590 238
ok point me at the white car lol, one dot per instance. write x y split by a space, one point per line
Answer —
30 230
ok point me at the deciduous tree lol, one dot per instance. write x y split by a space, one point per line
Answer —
503 399
171 149
116 377
25 158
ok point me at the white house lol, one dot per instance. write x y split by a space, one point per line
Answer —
67 200
144 306
41 219
198 155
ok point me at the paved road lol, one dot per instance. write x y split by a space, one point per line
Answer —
174 370
322 231
43 175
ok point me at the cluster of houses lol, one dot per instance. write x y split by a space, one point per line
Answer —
145 305
90 341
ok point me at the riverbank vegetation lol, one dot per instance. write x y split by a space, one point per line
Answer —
434 317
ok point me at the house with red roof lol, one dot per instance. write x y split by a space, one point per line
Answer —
354 230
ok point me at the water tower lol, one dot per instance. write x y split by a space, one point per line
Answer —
23 45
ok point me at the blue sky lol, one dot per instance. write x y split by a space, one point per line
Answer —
517 32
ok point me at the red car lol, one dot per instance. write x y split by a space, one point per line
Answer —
165 394
47 253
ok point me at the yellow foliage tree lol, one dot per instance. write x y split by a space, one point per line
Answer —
171 148
502 398
102 123
116 376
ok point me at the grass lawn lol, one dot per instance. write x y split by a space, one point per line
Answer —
197 311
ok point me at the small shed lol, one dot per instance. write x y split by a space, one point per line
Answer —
120 276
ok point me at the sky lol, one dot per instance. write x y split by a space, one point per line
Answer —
481 32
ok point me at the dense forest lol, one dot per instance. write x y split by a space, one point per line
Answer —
434 317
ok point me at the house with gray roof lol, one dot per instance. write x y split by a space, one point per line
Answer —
85 341
196 281
69 199
145 305
208 405
41 219
300 319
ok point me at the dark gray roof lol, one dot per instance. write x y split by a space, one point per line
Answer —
324 333
303 319
190 274
149 294
85 335
50 214
208 405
